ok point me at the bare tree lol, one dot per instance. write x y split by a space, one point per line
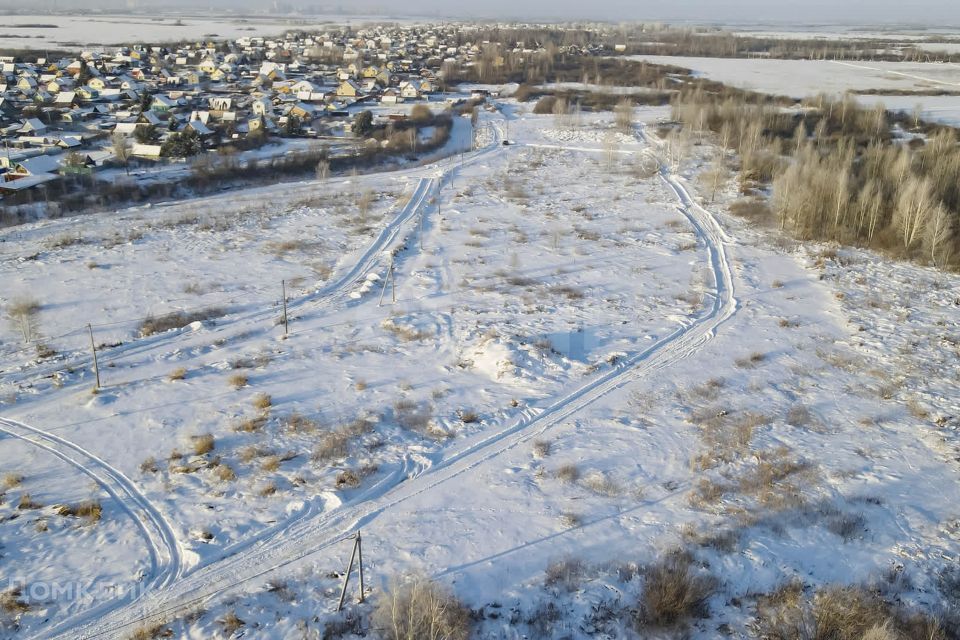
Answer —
561 111
364 202
915 205
938 236
23 314
419 609
610 149
323 169
624 114
716 175
121 149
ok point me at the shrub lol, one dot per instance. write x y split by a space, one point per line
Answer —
421 113
348 480
839 613
420 608
753 209
567 473
178 374
545 105
566 574
11 604
177 320
23 313
601 485
332 445
673 592
541 448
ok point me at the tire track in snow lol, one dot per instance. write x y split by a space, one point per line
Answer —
309 536
166 559
322 298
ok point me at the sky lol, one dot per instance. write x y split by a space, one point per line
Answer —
863 12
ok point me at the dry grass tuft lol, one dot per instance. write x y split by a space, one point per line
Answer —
89 510
202 444
251 425
10 480
348 479
238 380
268 489
225 473
262 401
231 623
752 361
299 423
420 608
26 502
149 633
541 448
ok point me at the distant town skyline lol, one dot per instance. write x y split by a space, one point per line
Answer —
941 13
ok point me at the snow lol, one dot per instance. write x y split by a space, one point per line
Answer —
559 296
70 31
942 109
802 78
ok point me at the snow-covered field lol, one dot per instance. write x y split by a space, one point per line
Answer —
577 364
49 31
942 109
801 78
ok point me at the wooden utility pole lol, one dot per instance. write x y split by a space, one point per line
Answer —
360 562
93 348
357 553
389 279
286 320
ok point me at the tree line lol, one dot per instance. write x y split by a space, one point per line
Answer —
839 171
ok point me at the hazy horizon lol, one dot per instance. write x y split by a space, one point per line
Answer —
937 13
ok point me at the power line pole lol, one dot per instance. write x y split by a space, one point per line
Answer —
357 551
93 348
389 280
286 320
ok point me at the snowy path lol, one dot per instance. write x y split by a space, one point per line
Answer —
313 533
